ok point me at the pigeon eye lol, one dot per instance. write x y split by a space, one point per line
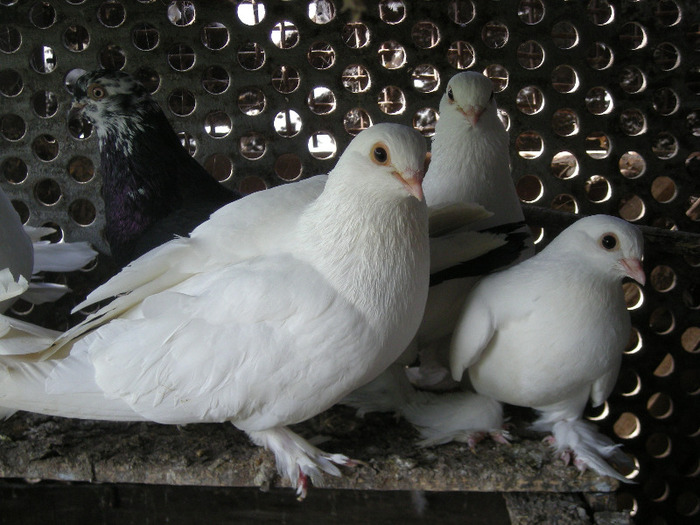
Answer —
450 95
380 154
609 241
96 92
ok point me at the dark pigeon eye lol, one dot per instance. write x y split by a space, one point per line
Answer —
608 241
96 92
380 154
450 95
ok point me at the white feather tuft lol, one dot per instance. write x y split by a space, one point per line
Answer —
61 256
294 456
441 418
591 448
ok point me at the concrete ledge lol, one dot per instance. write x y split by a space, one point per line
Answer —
40 447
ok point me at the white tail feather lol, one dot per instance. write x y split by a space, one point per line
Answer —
62 256
25 386
40 293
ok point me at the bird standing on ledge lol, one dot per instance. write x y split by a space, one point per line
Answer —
264 334
548 334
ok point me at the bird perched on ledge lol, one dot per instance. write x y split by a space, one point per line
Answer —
547 334
469 164
153 189
269 313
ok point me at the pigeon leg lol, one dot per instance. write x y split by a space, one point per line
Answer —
299 461
499 436
579 443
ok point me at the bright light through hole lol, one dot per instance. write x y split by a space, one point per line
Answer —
251 12
287 123
322 145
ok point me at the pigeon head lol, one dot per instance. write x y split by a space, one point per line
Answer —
114 102
397 153
468 95
610 245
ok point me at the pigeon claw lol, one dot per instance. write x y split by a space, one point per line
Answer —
302 485
581 465
353 463
500 436
474 439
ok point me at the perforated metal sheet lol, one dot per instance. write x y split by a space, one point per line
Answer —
600 97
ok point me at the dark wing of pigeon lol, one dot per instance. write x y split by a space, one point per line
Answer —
516 241
153 189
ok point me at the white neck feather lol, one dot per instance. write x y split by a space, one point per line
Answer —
360 241
472 165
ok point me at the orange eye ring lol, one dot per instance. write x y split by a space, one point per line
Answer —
380 154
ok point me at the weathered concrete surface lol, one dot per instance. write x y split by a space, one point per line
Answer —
39 447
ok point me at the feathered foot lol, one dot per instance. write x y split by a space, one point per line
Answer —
460 416
299 461
472 440
579 442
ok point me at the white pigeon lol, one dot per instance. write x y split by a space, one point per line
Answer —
470 156
25 255
325 295
547 334
469 164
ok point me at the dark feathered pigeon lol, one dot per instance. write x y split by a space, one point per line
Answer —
153 189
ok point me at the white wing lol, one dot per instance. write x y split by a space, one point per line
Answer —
256 343
9 287
474 332
19 337
604 385
259 224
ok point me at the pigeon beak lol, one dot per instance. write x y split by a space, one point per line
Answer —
633 269
78 106
472 113
412 180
